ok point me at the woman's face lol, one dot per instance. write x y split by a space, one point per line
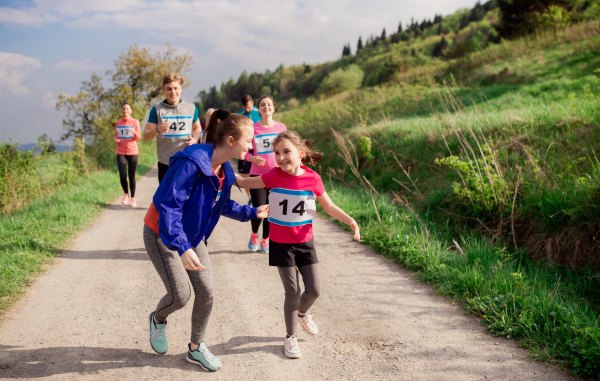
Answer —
240 147
266 108
126 111
287 156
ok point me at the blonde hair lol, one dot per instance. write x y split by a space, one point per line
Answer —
310 156
173 78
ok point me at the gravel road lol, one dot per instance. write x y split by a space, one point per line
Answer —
86 318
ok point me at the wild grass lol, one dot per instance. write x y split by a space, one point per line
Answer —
30 236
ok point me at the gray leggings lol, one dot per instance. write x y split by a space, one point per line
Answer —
296 300
175 278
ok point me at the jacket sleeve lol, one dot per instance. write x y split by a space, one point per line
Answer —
170 199
116 134
238 212
137 134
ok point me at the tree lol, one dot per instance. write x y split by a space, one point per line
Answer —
359 45
438 48
464 21
383 34
45 145
137 74
307 68
346 50
518 18
400 27
440 30
477 13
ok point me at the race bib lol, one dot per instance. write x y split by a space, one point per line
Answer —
178 126
264 143
291 207
125 132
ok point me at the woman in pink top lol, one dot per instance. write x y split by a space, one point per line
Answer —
126 134
263 160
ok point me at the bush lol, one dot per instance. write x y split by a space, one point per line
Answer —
341 80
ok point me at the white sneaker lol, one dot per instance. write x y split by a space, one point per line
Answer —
308 324
290 347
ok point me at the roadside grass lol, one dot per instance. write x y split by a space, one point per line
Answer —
536 303
31 236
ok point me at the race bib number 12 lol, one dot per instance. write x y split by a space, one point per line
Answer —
264 143
179 126
125 132
291 207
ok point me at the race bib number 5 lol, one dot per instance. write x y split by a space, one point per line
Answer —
178 126
125 132
291 207
264 143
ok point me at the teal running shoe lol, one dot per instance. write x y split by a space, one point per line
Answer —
253 243
204 358
264 245
158 336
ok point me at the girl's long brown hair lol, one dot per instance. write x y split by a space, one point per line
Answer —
310 156
223 124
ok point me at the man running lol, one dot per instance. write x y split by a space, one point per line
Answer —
174 122
250 111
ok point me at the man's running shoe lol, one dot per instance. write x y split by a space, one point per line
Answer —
264 245
204 358
253 244
308 324
124 199
133 204
158 336
290 347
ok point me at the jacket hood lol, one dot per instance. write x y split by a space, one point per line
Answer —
201 155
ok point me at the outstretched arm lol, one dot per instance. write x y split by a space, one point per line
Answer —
250 182
337 213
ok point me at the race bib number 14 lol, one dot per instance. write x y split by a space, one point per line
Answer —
264 143
291 207
179 126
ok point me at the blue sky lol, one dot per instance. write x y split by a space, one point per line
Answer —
48 46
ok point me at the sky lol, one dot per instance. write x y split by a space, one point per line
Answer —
48 46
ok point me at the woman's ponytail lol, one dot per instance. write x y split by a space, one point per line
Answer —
222 124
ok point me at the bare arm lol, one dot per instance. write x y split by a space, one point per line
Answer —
337 213
153 129
250 182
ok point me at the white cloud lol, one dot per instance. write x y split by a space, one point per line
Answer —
29 17
78 65
49 100
13 69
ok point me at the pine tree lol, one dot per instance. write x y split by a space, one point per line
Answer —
359 46
383 34
438 49
516 16
400 27
440 30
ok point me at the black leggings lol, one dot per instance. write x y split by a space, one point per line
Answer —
259 197
162 171
122 162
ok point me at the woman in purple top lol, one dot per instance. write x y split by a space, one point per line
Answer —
263 160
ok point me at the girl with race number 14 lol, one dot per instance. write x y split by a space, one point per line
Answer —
294 189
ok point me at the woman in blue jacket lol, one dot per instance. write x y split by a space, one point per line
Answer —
187 205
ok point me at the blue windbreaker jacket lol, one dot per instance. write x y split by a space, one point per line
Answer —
185 198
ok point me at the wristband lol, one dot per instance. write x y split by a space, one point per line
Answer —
156 128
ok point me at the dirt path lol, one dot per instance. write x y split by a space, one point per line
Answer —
86 318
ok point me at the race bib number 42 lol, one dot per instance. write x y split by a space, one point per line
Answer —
291 207
178 126
125 132
264 143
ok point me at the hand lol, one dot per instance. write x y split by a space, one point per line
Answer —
190 261
117 141
355 229
258 160
262 211
163 127
190 141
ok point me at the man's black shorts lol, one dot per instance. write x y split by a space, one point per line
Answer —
292 254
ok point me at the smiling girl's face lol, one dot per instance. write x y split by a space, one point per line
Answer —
126 111
240 147
266 107
288 157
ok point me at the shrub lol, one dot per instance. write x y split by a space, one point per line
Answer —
341 80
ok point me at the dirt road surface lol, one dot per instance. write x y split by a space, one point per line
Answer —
87 317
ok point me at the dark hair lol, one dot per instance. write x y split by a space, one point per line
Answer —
173 78
310 157
128 104
267 96
223 124
246 99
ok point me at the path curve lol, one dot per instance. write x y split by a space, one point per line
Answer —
86 318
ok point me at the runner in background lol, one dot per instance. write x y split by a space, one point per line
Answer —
174 122
126 134
204 123
250 111
263 161
294 189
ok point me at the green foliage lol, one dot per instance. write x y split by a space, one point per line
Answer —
365 146
519 18
341 80
17 177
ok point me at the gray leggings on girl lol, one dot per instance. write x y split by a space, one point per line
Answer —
175 278
296 300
